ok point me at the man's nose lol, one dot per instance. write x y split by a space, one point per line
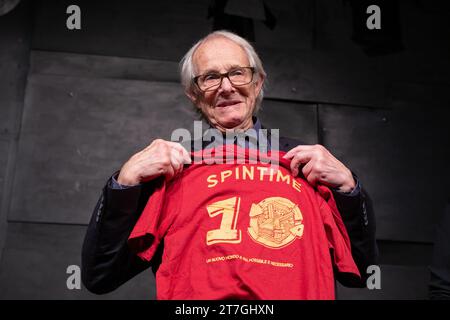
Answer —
226 85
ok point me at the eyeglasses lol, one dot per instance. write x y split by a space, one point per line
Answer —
212 80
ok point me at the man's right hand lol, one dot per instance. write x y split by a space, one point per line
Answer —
161 157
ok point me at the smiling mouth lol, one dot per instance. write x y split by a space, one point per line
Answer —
227 103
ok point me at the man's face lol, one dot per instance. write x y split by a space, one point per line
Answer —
228 106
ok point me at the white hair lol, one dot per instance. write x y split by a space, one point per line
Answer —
187 72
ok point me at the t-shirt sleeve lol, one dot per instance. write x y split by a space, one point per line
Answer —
338 239
151 226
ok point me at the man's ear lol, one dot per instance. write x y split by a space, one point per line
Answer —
192 96
259 83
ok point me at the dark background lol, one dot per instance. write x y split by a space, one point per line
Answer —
75 104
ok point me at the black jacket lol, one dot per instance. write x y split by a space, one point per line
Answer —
107 261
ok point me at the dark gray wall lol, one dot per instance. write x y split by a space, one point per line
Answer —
76 104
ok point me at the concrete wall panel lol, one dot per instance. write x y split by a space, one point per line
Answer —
77 132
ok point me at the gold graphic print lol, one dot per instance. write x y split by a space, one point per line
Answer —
275 222
227 233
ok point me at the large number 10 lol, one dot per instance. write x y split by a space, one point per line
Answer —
227 233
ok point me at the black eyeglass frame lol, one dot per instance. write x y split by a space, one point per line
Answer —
223 75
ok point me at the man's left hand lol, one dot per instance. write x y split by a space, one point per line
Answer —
319 166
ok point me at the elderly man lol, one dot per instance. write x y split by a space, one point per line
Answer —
224 78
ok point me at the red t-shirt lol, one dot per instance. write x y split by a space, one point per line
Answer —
243 231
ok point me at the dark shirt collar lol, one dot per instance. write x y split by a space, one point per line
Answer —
256 124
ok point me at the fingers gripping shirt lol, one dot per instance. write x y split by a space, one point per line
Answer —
243 231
